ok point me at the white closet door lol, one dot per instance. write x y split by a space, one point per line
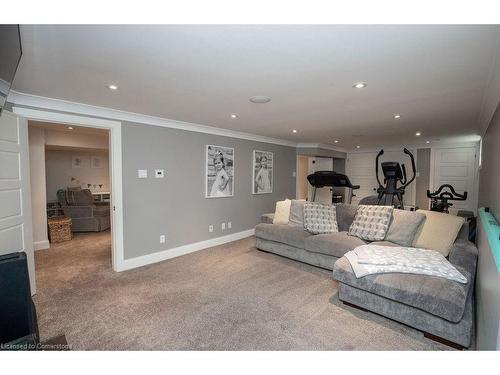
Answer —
457 167
15 201
360 168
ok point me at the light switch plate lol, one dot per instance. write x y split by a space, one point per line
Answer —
159 173
142 173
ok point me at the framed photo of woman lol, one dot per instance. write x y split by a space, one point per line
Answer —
219 175
262 180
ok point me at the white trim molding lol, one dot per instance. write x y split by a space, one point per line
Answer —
41 245
28 100
183 250
115 142
322 145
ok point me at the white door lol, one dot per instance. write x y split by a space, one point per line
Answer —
323 195
457 167
360 168
15 201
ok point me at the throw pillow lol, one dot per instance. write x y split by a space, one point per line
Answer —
404 226
320 218
371 222
297 212
282 212
439 231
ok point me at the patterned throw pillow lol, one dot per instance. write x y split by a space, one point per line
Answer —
371 222
320 218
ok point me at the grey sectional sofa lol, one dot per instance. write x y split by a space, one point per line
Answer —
443 309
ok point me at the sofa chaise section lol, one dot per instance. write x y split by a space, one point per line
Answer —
437 306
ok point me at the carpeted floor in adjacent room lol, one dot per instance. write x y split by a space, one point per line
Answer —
230 297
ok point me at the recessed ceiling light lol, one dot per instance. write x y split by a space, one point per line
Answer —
359 85
112 87
418 134
294 131
336 141
396 116
427 141
70 127
260 99
233 116
358 146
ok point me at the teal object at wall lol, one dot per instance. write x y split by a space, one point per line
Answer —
492 229
488 283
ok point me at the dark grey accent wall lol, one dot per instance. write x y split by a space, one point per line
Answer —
423 179
176 205
488 277
489 174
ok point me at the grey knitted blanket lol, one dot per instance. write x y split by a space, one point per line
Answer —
374 259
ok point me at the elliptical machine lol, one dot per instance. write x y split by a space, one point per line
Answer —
439 199
391 194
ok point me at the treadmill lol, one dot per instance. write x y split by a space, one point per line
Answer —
332 179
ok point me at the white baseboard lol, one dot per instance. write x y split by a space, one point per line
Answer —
144 260
41 245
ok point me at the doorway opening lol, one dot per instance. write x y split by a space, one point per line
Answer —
307 164
70 193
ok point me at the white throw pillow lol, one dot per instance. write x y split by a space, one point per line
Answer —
282 212
320 218
439 231
371 222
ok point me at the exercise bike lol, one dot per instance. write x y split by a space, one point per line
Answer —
332 179
390 194
440 199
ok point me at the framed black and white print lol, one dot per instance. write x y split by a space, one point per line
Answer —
262 178
219 175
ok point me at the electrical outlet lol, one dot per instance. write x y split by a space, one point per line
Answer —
210 228
229 225
159 173
162 238
294 174
223 226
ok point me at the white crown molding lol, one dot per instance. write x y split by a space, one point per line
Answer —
434 145
144 260
22 99
321 145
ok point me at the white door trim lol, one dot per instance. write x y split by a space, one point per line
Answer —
115 142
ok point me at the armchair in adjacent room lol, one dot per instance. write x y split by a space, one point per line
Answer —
86 215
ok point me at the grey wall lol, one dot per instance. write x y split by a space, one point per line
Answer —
423 180
60 171
176 205
488 277
489 174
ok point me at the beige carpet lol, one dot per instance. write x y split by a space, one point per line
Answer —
230 297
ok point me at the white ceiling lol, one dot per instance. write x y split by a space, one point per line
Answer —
436 77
